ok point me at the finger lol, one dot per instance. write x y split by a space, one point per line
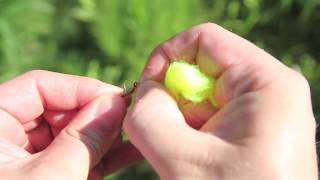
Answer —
88 136
182 46
120 157
10 151
59 119
8 126
196 114
26 97
157 128
123 156
40 137
150 93
215 50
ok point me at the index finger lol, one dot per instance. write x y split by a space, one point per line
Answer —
27 96
210 46
215 50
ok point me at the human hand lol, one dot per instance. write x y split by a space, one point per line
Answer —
55 126
262 128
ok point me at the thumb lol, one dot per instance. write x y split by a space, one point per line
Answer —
155 125
81 145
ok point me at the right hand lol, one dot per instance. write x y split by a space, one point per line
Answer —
263 128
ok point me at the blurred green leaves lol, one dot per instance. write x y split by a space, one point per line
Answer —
127 31
22 25
111 39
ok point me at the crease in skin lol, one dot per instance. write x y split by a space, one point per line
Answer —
44 104
219 66
32 124
197 58
9 113
28 146
8 120
155 67
78 101
188 52
11 150
166 54
4 158
21 133
207 64
32 87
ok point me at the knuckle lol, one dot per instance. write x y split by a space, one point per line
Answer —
209 25
207 29
300 80
35 72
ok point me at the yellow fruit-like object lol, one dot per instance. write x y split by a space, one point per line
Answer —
184 80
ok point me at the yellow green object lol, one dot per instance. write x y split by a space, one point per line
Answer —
184 80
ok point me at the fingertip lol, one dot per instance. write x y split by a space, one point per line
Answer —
198 114
152 101
156 66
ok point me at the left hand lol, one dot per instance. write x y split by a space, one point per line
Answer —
56 126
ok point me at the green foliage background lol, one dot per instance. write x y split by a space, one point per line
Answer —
111 39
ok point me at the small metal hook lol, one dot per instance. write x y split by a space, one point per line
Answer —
128 92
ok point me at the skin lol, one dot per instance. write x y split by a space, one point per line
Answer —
56 126
262 128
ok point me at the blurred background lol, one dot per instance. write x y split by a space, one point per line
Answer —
111 39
